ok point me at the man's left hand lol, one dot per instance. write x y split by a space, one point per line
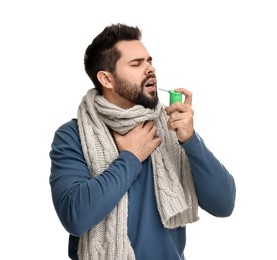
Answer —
181 116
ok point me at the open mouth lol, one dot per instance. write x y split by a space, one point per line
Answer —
150 83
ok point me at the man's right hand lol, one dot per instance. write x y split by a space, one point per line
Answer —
141 140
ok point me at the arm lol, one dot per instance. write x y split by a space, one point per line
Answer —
215 187
80 200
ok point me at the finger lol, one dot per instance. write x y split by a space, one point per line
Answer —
180 107
139 126
148 125
186 93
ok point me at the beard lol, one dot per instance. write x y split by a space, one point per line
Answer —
134 92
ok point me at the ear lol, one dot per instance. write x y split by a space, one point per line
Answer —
104 78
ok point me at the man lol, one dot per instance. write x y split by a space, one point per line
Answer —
128 174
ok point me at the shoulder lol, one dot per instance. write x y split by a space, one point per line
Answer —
67 132
70 125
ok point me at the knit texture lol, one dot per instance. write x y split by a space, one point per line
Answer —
174 188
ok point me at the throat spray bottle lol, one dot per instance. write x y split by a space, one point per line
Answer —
173 96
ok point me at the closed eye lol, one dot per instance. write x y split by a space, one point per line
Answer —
135 64
139 61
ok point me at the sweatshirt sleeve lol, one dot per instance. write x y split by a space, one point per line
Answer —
215 186
80 200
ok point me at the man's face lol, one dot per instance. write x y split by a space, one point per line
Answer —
134 77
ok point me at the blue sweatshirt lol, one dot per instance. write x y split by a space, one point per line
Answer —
81 201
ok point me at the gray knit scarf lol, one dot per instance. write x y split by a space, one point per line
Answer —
173 184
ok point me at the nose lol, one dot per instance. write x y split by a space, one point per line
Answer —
149 68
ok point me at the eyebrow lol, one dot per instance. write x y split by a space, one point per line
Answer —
141 59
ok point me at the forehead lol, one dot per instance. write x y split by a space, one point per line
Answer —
132 50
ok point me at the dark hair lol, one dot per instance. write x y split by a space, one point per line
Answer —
101 54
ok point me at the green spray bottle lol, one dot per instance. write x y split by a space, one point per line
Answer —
173 96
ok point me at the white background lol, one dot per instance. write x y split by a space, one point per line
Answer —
225 52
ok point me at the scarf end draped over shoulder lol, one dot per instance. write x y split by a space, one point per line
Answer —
174 188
